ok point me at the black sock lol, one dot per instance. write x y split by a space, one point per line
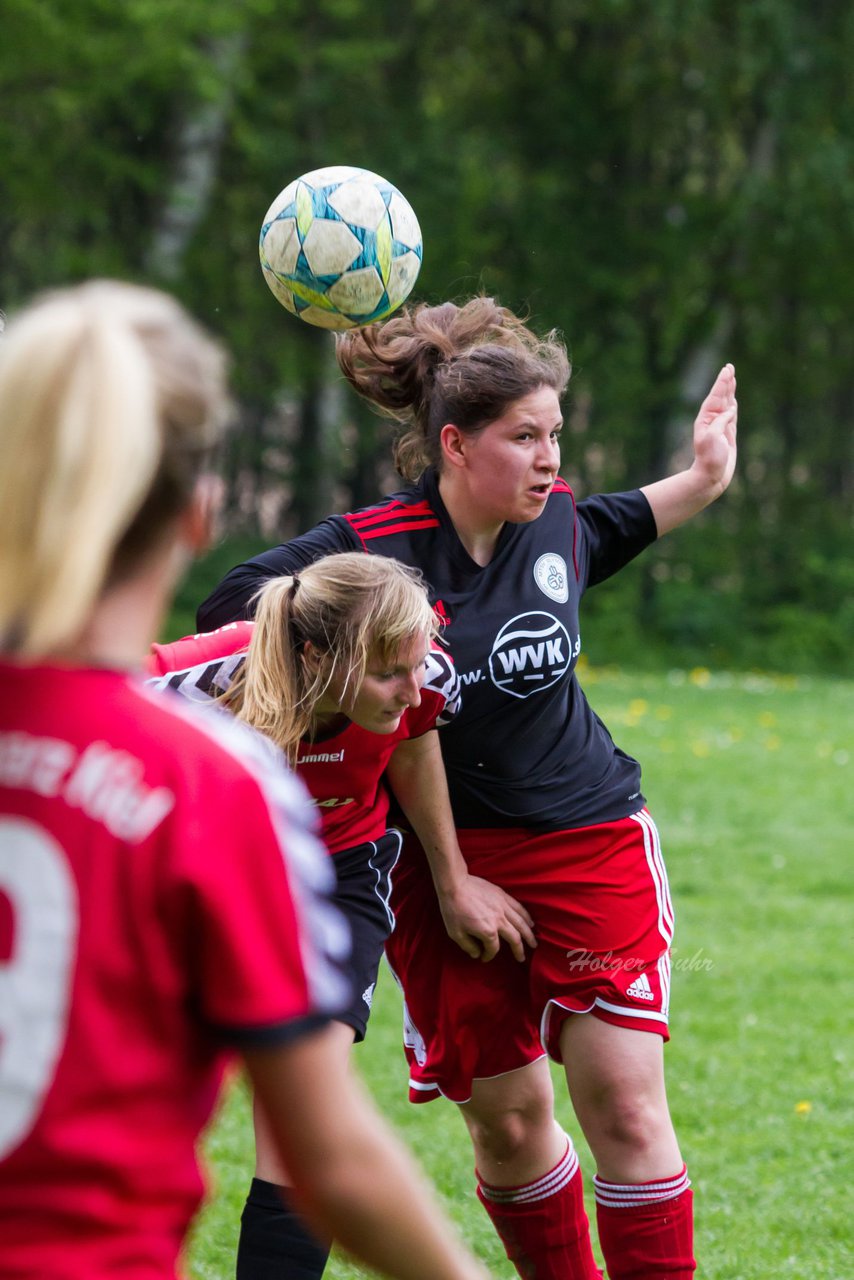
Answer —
274 1242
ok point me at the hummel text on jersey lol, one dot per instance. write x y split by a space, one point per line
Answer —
323 757
107 785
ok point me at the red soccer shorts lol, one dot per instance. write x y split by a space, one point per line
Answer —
604 924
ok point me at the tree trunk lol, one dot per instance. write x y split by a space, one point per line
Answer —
197 150
317 453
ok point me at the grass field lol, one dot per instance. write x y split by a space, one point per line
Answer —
751 782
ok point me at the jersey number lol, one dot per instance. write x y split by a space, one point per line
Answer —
35 971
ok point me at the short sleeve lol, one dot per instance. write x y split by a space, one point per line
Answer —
247 899
440 695
615 528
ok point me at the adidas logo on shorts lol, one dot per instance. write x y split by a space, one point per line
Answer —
640 989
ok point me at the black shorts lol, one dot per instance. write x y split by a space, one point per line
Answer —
362 893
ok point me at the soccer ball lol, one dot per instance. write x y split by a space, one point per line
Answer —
340 247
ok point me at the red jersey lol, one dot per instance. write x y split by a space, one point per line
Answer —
343 772
134 946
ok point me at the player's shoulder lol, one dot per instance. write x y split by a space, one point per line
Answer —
201 666
562 492
204 754
242 778
560 513
204 646
406 511
441 691
441 678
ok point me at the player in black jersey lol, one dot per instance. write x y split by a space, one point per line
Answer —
545 804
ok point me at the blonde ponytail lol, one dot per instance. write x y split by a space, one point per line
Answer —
272 691
86 433
318 631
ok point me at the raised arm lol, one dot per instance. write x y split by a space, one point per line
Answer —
477 914
681 496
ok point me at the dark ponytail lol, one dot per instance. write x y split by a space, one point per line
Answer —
466 364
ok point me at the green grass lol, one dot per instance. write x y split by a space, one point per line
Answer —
751 782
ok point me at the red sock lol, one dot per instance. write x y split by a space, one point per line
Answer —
646 1230
543 1225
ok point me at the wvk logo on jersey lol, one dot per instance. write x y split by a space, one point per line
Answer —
531 652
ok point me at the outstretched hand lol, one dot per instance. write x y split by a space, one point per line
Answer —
677 498
715 433
479 916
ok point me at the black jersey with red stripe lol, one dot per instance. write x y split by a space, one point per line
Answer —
526 748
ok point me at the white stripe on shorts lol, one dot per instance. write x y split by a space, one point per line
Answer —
383 891
629 1011
655 862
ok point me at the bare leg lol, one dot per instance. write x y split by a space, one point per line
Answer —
267 1163
643 1199
616 1082
511 1123
529 1181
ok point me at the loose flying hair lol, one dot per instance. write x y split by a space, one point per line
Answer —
352 609
110 399
428 366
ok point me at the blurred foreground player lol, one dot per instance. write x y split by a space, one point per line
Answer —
161 897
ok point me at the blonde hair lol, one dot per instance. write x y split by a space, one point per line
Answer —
464 364
110 398
351 608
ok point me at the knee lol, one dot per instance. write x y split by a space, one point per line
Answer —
500 1137
630 1123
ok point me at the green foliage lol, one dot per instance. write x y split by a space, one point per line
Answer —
670 185
690 600
201 579
749 779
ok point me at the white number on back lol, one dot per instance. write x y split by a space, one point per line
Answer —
35 978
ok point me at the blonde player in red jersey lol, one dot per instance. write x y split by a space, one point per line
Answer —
340 670
162 899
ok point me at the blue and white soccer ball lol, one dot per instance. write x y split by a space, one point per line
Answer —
340 247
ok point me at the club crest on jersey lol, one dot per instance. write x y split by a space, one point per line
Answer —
530 653
551 577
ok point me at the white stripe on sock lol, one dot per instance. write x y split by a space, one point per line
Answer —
619 1196
550 1183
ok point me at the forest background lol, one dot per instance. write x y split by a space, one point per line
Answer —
670 184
